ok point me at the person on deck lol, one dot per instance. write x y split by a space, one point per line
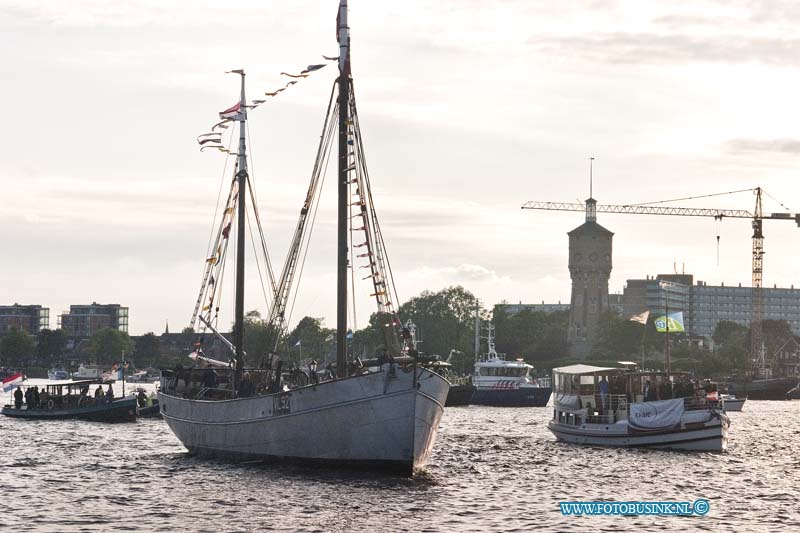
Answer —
35 395
141 398
18 398
604 393
210 379
43 398
98 395
109 394
649 394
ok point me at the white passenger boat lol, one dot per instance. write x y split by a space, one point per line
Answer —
604 406
388 417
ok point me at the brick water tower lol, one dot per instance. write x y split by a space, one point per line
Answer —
589 268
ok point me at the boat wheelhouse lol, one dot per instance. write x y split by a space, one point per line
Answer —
607 406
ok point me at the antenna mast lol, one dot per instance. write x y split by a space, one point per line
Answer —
241 177
343 36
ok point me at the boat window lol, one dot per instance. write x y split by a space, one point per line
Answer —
483 371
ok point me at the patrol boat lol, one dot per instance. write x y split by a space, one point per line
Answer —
250 409
504 383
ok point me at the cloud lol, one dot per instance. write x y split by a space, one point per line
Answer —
779 146
464 272
665 48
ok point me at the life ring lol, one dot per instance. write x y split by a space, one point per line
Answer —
50 404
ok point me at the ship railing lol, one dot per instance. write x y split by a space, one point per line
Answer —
696 403
607 409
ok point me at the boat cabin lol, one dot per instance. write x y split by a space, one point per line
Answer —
67 394
585 393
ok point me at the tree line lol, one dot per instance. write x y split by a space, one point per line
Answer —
445 325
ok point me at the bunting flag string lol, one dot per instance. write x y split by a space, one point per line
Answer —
214 139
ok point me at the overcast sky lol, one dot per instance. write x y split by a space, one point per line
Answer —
468 109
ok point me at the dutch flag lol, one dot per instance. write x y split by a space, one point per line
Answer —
12 381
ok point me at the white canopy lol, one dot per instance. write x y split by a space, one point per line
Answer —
585 369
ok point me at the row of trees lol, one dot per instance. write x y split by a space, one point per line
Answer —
444 321
49 347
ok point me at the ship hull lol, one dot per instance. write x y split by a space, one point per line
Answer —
376 420
459 395
711 436
521 397
121 410
761 389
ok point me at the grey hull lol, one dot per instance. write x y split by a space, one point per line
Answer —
376 419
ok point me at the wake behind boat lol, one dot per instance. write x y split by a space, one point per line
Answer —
616 407
388 417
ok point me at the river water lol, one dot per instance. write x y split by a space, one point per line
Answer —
494 469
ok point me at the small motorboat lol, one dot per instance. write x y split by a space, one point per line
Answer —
731 402
57 373
146 405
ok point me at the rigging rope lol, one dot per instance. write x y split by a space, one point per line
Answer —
254 200
694 197
778 201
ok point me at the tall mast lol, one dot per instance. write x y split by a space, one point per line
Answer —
343 35
241 177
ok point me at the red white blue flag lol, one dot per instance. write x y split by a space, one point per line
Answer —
12 381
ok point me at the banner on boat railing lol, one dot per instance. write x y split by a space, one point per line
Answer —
570 401
675 321
656 415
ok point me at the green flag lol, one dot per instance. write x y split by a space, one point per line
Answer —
675 323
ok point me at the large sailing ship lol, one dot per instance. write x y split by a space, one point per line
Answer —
251 408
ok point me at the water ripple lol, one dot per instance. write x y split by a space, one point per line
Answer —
493 469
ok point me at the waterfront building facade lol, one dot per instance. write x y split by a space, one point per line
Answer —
28 318
705 305
83 321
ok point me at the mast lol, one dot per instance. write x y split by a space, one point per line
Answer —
343 37
241 177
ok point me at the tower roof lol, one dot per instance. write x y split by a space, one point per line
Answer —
590 228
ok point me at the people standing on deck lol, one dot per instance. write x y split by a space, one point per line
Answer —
98 394
665 390
604 393
83 396
18 398
29 397
649 394
43 398
35 396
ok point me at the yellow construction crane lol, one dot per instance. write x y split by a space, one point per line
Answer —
757 216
